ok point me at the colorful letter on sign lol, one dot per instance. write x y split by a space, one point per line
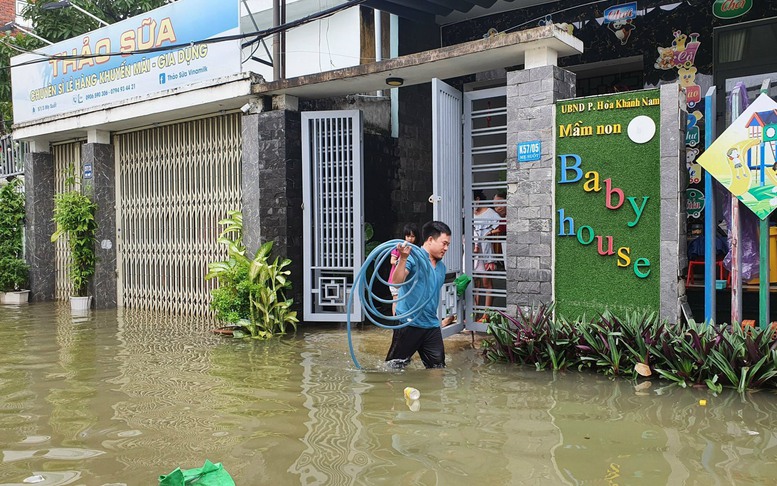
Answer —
529 151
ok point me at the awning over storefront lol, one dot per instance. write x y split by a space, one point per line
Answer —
499 51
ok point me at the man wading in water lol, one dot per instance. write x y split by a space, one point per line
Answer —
423 334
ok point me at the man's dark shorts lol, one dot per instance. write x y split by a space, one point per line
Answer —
428 342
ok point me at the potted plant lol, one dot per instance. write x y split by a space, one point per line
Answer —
74 213
251 294
13 269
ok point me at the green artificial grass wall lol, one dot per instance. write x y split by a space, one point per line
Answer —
595 132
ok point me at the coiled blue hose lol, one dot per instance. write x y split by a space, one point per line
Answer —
417 283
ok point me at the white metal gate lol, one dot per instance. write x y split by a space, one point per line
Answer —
446 160
333 234
447 189
485 168
174 184
12 155
67 159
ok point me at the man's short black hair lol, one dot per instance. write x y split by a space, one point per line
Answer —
433 229
410 229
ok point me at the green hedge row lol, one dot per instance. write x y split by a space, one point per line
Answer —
636 344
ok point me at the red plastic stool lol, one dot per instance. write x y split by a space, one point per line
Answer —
693 263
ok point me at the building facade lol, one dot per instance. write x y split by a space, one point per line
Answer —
166 166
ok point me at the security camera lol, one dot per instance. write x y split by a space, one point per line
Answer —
245 108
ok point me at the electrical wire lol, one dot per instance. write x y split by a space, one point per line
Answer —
13 46
256 48
418 290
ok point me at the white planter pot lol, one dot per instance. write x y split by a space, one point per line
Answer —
15 298
80 304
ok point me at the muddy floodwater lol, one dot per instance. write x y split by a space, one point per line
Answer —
120 397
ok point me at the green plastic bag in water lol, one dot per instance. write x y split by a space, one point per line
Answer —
208 475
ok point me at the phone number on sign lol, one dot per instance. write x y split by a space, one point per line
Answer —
115 90
122 89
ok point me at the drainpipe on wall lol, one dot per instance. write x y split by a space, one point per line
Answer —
282 57
378 41
394 52
276 42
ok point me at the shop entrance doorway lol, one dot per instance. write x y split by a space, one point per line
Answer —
469 154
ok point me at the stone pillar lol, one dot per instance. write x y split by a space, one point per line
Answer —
674 256
531 94
99 181
272 188
39 187
250 170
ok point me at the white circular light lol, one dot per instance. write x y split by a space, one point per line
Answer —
641 129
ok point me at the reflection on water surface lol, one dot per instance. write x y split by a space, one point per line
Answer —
120 397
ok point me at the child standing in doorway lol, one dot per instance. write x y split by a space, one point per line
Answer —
410 234
484 221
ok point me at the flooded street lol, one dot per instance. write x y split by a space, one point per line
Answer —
121 397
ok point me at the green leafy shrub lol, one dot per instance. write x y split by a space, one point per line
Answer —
74 214
13 274
691 355
13 269
614 345
745 358
534 338
251 291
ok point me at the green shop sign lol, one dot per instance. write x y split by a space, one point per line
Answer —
694 202
731 9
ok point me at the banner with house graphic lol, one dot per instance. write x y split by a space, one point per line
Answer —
743 160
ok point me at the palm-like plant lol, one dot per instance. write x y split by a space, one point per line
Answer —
252 291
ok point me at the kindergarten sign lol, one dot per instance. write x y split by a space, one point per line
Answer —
742 159
99 67
607 222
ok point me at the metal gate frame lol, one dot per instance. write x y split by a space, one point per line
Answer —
446 195
12 156
333 215
479 142
66 156
174 183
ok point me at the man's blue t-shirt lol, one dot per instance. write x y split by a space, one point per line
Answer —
427 316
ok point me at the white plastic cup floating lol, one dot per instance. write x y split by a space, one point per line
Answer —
412 393
413 405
